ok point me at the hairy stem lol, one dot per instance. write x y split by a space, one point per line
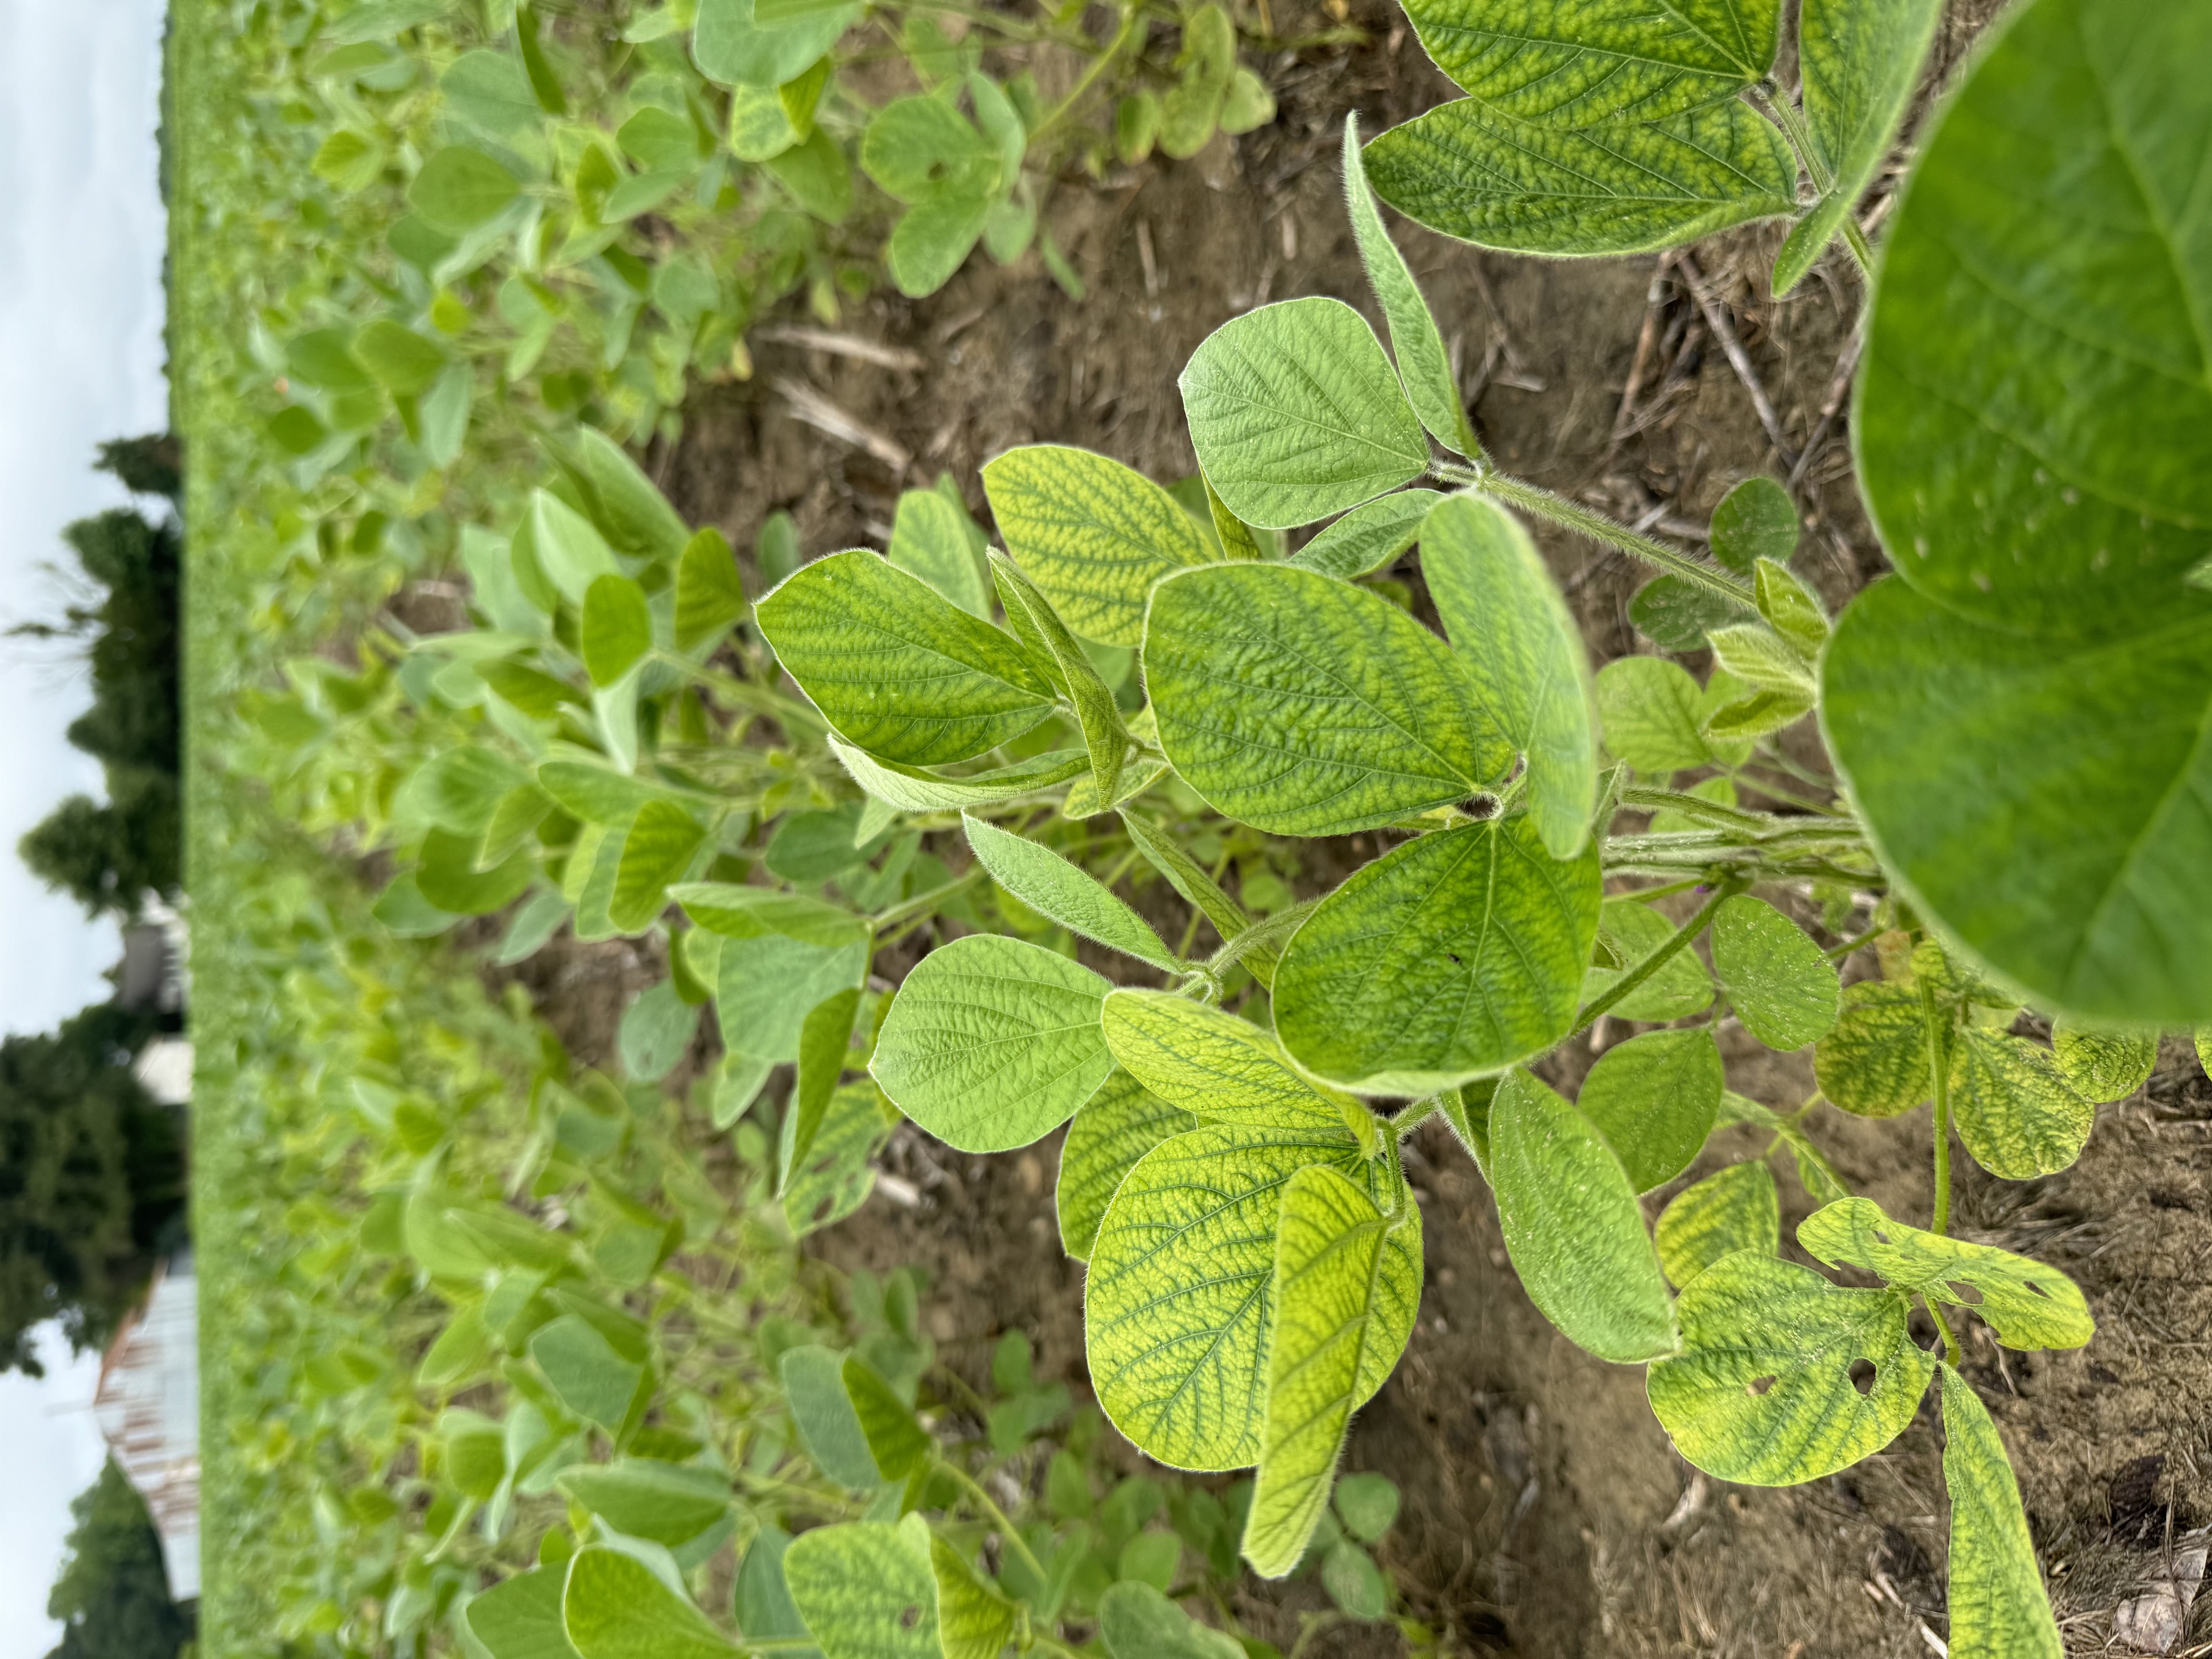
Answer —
1588 521
1630 981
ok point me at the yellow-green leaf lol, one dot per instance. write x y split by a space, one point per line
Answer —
1995 1597
1111 1130
2015 1111
1222 1068
1784 989
1876 1062
1733 1209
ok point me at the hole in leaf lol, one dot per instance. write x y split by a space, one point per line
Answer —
909 1616
1484 806
1862 1375
1759 1385
1456 963
823 1208
1971 1295
1879 1236
2038 1290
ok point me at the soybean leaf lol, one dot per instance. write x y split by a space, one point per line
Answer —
656 851
1619 187
2026 1304
2103 1065
1198 889
1791 608
1997 1605
1755 520
1296 413
629 508
2020 715
1573 1227
738 912
1177 1303
822 844
709 597
1049 884
1762 1392
1367 1504
825 1045
1423 364
1328 1258
898 671
1734 1209
993 1042
1369 536
1111 1130
449 879
763 1600
897 1441
929 540
1762 658
813 1379
1510 627
912 791
1859 64
1222 1068
563 546
655 1031
1785 990
460 188
1451 956
1654 1098
1875 1062
1136 1622
1680 988
974 1620
1094 535
488 90
1577 66
1238 540
2015 1111
1466 1113
1673 613
644 1497
865 1590
1303 706
834 1177
731 46
779 958
1648 706
1096 711
616 1607
519 1618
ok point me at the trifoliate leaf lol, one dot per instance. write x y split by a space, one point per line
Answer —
1329 1259
1177 1304
1303 706
1618 186
1763 1391
1090 533
1510 627
1654 1098
616 1607
1222 1068
866 1590
1296 414
1112 1130
993 1042
898 671
1423 364
1784 989
1573 1227
1451 956
1049 884
2103 1065
1369 536
1876 1062
1755 520
1734 1209
1648 706
2015 1111
2028 1304
1995 1592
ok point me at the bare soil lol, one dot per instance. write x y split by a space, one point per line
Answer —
1546 1515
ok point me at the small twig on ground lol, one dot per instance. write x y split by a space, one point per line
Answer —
841 345
1647 340
1144 257
1830 406
809 406
1718 320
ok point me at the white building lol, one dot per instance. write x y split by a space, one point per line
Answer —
148 1406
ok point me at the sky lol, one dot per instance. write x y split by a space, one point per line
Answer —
81 359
